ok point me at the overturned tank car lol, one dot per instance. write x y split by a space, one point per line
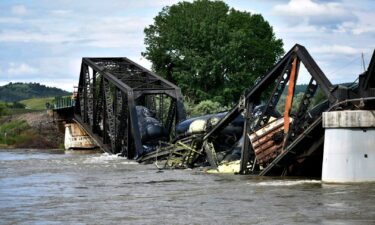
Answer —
259 135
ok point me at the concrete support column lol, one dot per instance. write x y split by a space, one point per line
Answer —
349 146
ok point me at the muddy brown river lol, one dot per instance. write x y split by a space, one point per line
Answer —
50 187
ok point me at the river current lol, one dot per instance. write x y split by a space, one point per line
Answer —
50 187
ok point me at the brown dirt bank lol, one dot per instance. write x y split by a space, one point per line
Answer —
41 133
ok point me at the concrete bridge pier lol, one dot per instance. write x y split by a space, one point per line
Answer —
349 146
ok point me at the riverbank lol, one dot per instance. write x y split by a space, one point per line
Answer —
30 130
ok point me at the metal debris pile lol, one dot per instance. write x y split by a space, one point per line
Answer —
253 138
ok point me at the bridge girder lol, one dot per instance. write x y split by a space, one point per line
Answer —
109 91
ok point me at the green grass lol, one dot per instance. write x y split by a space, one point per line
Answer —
37 103
14 131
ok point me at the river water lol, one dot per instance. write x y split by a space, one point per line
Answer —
50 187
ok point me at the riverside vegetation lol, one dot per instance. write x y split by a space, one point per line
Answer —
24 123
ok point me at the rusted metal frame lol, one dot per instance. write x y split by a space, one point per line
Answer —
114 80
312 148
153 89
94 101
144 82
143 79
171 115
104 113
84 116
110 118
301 116
246 146
86 93
290 96
180 109
116 109
107 124
139 93
117 101
130 153
309 64
134 126
80 103
370 74
251 97
316 73
288 149
150 73
160 117
132 120
89 94
255 90
122 123
276 94
130 63
169 149
99 108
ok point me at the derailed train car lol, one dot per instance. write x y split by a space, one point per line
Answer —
253 132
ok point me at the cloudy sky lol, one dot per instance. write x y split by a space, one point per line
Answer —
44 41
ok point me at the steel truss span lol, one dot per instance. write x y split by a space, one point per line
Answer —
110 93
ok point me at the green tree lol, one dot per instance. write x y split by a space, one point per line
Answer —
210 50
3 109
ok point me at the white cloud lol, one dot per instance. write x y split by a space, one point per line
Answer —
141 61
152 4
337 49
299 29
10 20
26 36
366 24
65 84
21 69
307 8
106 32
116 24
308 11
19 10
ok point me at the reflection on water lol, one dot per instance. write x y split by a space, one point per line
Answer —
39 187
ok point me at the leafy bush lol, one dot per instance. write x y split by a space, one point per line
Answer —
14 131
3 109
203 108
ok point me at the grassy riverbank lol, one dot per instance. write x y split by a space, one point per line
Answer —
29 130
37 103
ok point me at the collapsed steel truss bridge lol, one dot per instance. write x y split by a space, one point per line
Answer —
109 91
295 145
112 91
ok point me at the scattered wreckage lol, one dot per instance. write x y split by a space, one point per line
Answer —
130 111
254 138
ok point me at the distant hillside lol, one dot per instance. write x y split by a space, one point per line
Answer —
19 91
